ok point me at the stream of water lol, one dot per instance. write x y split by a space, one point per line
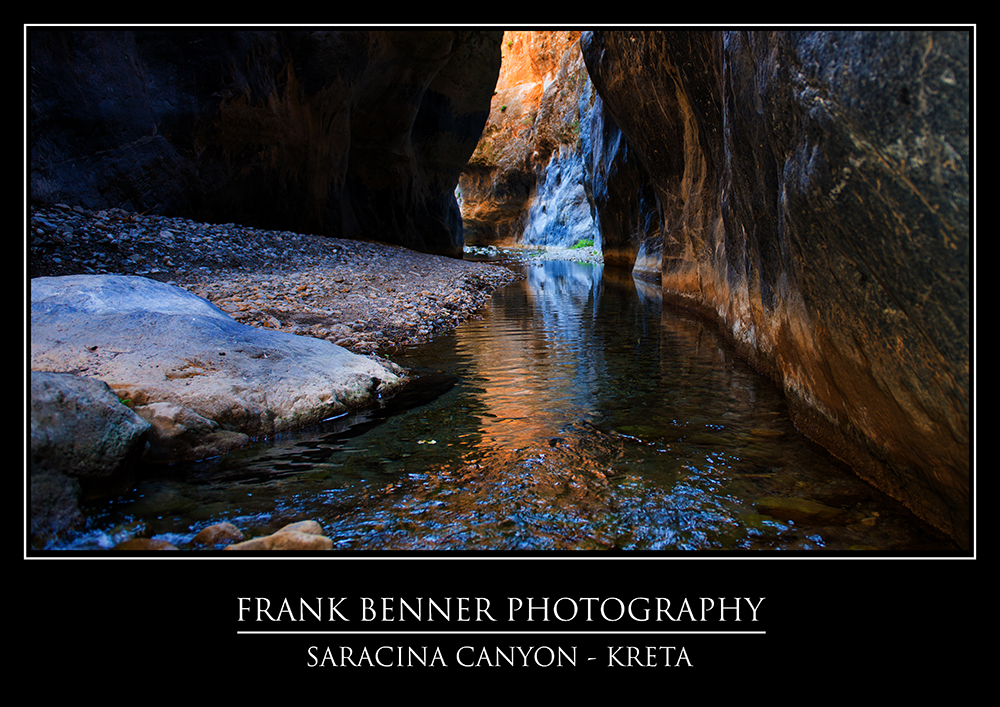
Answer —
576 413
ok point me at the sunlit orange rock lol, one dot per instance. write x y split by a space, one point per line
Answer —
534 114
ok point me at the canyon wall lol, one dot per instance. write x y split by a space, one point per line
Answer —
527 181
552 167
812 194
351 134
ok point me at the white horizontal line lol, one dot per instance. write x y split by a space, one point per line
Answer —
501 633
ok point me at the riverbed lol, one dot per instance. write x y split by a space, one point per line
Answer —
574 413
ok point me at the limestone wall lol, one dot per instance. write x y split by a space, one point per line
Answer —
813 197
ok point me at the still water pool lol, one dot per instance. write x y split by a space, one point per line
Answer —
575 414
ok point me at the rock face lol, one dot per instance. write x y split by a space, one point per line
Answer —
526 183
622 196
552 167
351 134
83 444
813 196
205 383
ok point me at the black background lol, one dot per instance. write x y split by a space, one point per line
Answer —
838 622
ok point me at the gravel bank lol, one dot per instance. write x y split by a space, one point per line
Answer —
367 297
531 253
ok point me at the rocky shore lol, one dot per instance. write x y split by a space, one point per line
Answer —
367 297
205 336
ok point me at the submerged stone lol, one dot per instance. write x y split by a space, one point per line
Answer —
801 511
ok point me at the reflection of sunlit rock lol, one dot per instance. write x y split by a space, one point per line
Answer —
599 423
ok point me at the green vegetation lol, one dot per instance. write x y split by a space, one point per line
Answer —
583 243
569 134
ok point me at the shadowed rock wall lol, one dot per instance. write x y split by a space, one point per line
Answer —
813 196
345 133
623 197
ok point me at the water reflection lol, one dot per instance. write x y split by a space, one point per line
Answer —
575 414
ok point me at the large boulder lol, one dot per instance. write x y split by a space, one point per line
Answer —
354 134
83 444
813 197
204 382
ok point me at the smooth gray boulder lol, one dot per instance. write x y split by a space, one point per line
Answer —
205 383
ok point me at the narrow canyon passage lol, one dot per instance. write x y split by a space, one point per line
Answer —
804 191
577 413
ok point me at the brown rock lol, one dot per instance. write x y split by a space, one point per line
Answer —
304 535
303 526
218 534
533 113
801 510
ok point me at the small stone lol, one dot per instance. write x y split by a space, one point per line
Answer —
218 534
303 526
304 535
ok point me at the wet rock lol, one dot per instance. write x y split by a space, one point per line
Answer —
812 190
218 534
304 535
83 444
842 494
204 382
181 433
802 511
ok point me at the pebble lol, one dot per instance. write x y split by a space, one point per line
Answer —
368 297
